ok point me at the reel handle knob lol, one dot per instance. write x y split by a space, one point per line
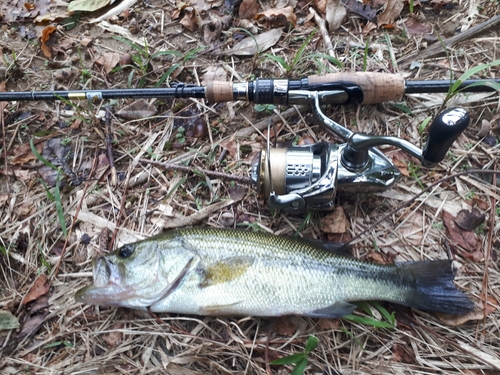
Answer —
444 130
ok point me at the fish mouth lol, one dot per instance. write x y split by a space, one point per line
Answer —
106 289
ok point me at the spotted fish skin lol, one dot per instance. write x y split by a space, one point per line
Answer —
233 272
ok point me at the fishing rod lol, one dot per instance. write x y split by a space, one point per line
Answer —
308 177
357 87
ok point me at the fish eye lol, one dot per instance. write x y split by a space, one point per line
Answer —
125 252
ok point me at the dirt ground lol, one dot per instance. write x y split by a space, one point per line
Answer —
109 186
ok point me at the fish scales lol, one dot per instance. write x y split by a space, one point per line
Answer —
232 272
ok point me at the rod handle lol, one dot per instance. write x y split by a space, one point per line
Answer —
376 87
444 130
219 91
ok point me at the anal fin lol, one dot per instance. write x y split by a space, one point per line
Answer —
337 310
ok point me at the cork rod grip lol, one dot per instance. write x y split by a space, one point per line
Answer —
219 91
377 87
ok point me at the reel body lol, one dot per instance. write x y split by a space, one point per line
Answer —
308 177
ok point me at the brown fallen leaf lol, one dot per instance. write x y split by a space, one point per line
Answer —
479 313
31 325
362 9
285 326
392 10
23 154
40 287
415 26
257 44
335 14
277 17
114 337
237 192
336 222
191 19
386 19
137 110
470 220
47 41
403 354
328 324
108 61
465 239
248 9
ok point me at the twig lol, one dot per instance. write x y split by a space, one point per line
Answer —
410 201
4 138
198 216
324 32
439 48
109 145
184 168
487 255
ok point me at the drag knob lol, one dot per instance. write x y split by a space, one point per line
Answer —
444 130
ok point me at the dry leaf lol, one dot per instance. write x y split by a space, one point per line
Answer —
248 9
320 5
108 61
31 325
335 14
113 338
415 27
237 192
214 73
403 354
191 19
285 326
328 324
412 229
336 222
277 17
391 11
137 110
470 220
46 33
476 314
87 5
364 10
7 320
251 46
466 239
40 287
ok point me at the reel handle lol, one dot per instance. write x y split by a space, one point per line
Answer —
444 130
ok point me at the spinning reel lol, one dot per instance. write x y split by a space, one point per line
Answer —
308 177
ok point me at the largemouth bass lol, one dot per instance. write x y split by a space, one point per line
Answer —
231 272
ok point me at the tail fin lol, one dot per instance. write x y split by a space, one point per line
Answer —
434 288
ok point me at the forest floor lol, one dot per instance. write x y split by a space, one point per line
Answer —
109 186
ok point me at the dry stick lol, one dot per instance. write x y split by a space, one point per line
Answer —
410 201
184 168
324 32
109 145
6 165
438 47
484 294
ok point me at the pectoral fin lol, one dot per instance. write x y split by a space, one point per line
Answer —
219 309
337 310
226 270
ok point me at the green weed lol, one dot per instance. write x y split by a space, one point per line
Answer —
300 360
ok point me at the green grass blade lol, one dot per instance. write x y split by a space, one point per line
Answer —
300 367
294 358
59 206
280 60
40 157
367 321
312 343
